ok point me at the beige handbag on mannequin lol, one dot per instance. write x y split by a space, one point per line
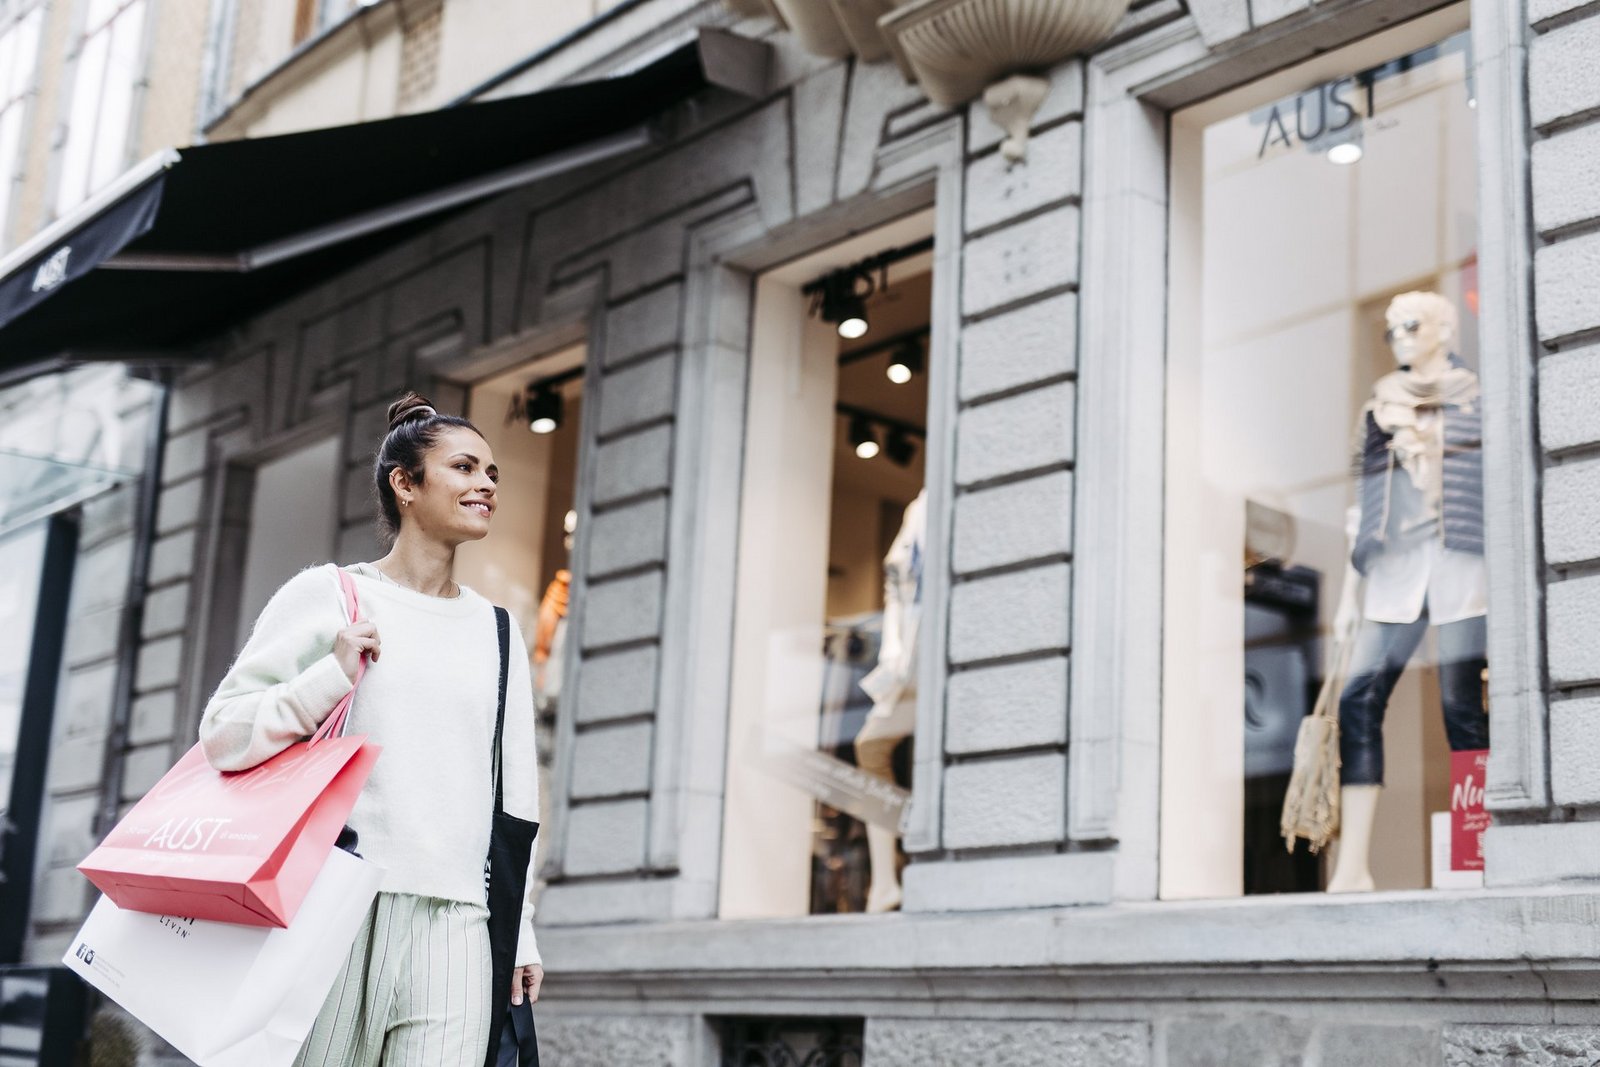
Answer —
1311 803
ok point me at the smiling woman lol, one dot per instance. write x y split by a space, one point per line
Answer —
433 646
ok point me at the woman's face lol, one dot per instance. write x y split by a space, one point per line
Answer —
456 498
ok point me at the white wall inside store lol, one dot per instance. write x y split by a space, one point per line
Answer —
780 603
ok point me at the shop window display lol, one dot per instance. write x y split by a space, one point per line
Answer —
531 416
1325 490
830 584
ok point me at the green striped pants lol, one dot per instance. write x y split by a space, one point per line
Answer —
414 991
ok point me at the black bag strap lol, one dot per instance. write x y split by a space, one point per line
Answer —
502 625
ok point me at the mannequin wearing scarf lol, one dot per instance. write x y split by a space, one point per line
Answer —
1417 559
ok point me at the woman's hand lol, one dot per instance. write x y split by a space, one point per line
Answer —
350 642
528 978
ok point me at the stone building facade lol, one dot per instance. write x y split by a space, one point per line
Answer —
1036 925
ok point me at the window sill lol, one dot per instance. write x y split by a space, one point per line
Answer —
1412 933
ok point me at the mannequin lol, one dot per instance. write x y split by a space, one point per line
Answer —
549 638
1416 559
892 685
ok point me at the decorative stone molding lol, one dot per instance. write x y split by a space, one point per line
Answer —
956 49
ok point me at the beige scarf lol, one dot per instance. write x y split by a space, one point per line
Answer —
1397 402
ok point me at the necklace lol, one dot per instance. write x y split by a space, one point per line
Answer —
395 581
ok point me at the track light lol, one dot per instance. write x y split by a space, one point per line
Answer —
840 301
900 448
906 363
862 437
544 410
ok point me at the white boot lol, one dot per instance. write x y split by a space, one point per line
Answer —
1358 810
883 894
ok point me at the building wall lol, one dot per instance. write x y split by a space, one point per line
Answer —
1037 769
388 58
164 108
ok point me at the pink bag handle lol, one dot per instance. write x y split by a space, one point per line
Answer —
333 725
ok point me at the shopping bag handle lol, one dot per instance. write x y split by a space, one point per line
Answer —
333 725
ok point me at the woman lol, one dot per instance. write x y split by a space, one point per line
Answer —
416 984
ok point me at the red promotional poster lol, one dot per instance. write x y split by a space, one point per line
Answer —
1468 819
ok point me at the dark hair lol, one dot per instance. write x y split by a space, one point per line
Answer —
414 428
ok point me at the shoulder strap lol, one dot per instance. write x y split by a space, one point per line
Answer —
502 625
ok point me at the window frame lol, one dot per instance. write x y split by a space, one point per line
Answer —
1116 688
83 35
24 101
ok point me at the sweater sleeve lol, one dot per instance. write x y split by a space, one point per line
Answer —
285 680
522 775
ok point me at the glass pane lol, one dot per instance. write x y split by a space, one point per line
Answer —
10 75
26 56
86 90
122 71
21 556
1325 509
829 591
10 145
99 11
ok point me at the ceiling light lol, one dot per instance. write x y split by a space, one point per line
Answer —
906 363
862 438
855 324
544 410
570 522
1345 154
841 298
900 448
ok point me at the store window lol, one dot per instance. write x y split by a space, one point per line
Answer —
532 419
107 73
823 705
19 58
1324 527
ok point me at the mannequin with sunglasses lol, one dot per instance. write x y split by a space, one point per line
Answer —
1416 559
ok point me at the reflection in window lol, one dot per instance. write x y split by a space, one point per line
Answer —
108 70
1325 497
19 57
21 557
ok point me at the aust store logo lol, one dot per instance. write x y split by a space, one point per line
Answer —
53 271
1319 114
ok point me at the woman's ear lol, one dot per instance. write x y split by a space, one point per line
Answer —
400 482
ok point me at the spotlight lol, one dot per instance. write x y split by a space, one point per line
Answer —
900 448
1345 154
854 324
906 363
842 303
862 437
544 410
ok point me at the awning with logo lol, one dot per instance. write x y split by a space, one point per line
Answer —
195 239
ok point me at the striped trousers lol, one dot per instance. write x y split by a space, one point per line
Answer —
414 991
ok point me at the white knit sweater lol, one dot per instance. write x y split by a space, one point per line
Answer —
429 700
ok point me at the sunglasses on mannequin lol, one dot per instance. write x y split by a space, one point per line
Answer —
1410 326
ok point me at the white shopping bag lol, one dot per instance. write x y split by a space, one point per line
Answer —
223 994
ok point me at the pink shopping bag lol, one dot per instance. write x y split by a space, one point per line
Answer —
240 847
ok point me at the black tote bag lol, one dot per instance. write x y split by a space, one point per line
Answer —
506 877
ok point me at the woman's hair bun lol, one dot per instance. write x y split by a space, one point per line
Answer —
411 406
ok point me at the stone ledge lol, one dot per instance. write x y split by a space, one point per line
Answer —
1491 940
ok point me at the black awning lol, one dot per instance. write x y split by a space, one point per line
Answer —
195 239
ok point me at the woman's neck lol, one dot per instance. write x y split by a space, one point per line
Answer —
421 565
